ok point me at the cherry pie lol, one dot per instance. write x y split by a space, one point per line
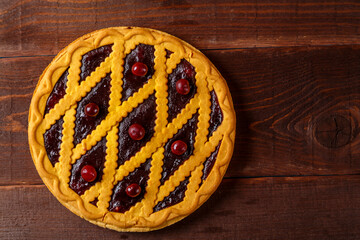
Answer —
131 128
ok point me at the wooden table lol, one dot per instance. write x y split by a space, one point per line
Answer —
293 69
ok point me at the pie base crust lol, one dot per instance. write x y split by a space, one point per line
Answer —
139 218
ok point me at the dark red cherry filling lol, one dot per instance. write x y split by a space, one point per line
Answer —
133 190
136 132
91 109
216 115
168 53
141 54
58 92
52 140
95 201
91 60
139 69
177 99
144 115
173 161
178 147
88 173
189 70
183 86
209 162
85 121
88 169
174 197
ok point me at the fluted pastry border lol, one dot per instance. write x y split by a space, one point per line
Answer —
140 217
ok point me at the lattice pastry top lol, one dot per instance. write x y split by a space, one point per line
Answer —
131 128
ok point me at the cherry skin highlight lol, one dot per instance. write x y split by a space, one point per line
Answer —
88 173
139 69
133 190
136 132
183 86
178 147
91 109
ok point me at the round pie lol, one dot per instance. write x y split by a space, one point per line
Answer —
131 128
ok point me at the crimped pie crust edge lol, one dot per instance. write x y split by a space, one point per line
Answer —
113 220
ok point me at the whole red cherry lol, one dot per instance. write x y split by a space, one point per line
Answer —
88 173
188 70
183 86
133 190
139 69
91 109
178 147
136 131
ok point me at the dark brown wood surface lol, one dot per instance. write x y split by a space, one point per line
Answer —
293 68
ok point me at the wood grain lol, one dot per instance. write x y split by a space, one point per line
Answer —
34 27
18 78
297 113
259 208
281 96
